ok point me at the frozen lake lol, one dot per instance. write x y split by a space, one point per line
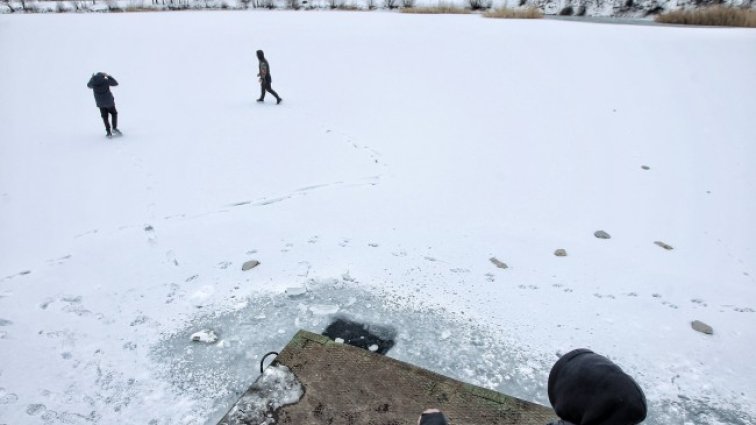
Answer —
409 151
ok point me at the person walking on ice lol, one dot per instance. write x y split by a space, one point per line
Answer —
265 80
100 84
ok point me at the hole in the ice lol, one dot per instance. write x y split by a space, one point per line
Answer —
375 338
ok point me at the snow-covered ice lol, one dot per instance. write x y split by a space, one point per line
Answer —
409 150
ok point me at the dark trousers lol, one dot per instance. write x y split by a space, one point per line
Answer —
265 86
104 114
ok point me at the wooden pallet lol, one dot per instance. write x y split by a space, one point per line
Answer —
350 386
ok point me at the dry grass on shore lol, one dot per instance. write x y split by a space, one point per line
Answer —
716 15
507 13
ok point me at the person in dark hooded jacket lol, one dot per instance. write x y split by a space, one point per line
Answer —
100 84
586 388
265 79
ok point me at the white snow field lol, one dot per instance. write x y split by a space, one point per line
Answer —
408 151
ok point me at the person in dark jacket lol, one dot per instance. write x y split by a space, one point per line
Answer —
100 84
265 80
586 388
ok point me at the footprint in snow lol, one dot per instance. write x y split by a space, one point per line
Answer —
4 322
73 305
313 187
46 303
171 257
35 409
171 217
91 232
151 236
60 260
140 320
172 294
669 304
7 398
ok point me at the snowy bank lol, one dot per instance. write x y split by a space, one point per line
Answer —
599 8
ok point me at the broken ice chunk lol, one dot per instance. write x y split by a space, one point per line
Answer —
445 334
324 309
373 348
296 291
205 335
339 340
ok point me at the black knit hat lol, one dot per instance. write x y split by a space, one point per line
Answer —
586 388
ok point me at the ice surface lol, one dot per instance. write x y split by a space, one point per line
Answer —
387 195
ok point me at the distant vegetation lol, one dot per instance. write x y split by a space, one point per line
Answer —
716 15
520 13
442 8
712 15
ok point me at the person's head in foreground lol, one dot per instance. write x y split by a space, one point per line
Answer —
432 417
588 389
